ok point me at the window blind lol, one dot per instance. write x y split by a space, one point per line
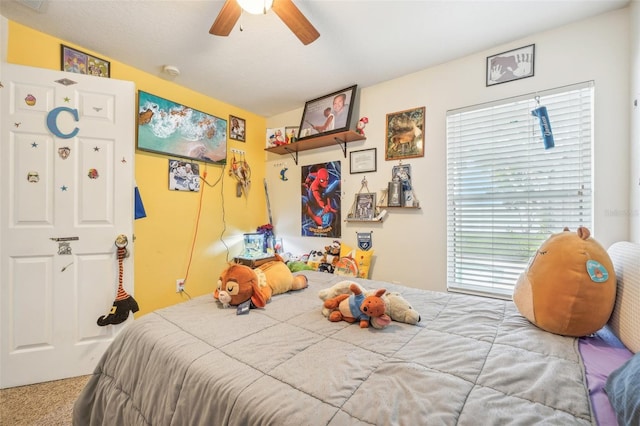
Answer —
505 193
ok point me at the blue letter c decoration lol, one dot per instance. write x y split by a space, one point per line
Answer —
53 125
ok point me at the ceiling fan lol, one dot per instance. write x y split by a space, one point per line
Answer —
285 9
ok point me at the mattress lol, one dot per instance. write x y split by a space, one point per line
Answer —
469 361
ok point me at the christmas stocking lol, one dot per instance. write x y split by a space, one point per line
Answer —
124 301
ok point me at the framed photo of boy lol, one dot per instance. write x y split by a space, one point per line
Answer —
72 60
511 65
237 127
328 114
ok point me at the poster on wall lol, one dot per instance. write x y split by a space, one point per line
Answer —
72 60
321 200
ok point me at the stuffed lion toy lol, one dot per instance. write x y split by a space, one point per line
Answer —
569 286
239 283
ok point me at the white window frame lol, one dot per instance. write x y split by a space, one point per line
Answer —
506 193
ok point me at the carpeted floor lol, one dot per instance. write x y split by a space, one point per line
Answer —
41 404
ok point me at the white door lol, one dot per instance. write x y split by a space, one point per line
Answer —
66 188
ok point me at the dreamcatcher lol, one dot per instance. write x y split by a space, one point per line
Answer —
241 172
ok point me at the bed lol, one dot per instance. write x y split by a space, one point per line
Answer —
469 361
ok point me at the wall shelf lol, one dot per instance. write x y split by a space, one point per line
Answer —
320 141
363 220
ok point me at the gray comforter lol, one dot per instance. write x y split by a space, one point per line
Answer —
470 361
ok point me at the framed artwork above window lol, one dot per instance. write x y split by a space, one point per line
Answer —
511 65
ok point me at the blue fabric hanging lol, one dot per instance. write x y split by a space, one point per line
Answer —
139 211
545 126
365 240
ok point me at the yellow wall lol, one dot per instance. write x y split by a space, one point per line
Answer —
164 239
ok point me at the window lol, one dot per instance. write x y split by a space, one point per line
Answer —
505 193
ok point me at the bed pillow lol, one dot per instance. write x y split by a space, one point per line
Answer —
346 267
623 389
362 259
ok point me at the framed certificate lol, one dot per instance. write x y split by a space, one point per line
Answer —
362 161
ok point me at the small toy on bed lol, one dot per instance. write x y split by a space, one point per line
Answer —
397 307
297 266
569 286
358 307
332 252
330 257
316 257
241 286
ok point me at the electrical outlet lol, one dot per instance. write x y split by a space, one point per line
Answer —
179 285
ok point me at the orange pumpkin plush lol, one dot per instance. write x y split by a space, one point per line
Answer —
569 286
239 283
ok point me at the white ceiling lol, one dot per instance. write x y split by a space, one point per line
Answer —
265 69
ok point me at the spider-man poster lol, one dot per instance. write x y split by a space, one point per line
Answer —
321 200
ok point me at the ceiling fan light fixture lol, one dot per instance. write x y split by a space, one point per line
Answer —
255 7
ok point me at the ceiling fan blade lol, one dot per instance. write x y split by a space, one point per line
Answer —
226 19
295 20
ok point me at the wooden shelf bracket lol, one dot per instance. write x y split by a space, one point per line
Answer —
343 144
292 152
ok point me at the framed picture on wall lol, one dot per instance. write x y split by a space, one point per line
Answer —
328 114
362 161
184 176
404 134
365 206
167 127
511 65
237 128
72 60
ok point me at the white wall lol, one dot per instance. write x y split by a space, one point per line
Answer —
410 245
634 211
4 37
